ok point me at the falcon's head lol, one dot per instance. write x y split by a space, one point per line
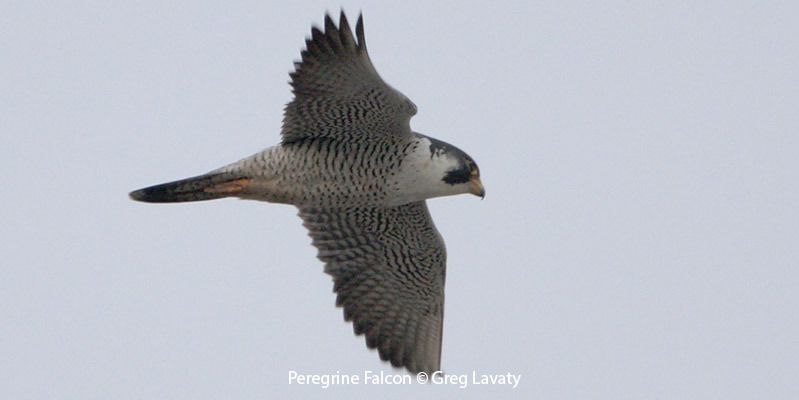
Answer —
434 169
461 172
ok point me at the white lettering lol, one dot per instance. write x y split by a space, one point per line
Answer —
371 378
323 380
439 377
381 378
496 379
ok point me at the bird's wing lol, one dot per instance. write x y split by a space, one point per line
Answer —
388 266
338 94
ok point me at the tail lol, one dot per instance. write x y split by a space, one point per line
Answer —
204 187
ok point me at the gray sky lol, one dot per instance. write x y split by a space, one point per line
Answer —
638 239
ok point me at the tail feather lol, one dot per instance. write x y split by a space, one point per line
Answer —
204 187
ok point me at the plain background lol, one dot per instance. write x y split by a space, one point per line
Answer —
638 239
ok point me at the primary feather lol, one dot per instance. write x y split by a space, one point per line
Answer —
339 95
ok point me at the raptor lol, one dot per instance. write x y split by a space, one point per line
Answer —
360 177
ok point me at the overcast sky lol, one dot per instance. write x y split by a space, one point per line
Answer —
638 239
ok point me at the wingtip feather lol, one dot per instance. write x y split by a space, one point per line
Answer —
359 32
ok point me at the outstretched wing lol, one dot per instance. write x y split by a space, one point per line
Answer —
338 94
388 266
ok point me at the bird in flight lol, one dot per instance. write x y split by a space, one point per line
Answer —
360 176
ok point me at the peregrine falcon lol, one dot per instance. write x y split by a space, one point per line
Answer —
360 176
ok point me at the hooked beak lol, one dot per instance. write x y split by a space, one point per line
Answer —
476 187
